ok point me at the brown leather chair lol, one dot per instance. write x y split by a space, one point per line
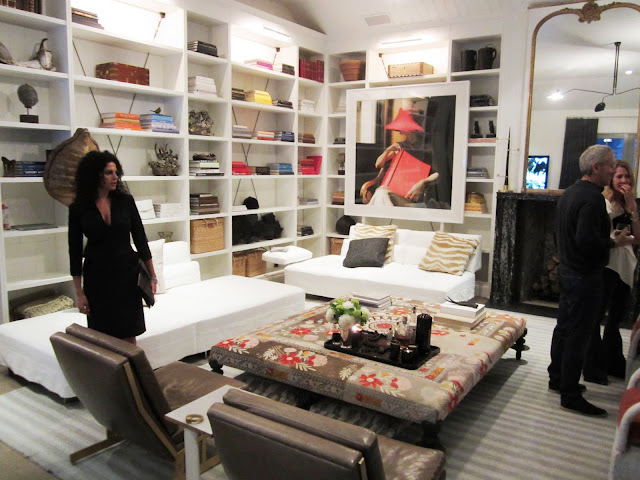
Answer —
258 438
115 382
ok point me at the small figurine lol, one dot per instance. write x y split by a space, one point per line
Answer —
42 59
29 98
157 110
476 130
5 56
167 163
492 130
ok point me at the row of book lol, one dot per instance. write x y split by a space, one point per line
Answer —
263 135
202 85
282 103
258 96
156 122
307 201
310 165
84 17
240 168
204 165
311 69
203 47
337 198
280 168
33 6
284 68
242 131
306 138
285 136
26 169
477 172
237 93
203 204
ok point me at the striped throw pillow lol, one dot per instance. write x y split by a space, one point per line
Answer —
360 230
448 253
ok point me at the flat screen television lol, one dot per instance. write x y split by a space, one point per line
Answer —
537 172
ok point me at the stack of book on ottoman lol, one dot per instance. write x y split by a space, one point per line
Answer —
460 316
371 300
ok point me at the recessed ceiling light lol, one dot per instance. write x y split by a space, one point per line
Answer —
555 96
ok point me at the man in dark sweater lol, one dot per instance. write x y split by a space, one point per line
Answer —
583 235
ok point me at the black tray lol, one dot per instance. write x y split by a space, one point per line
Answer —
370 352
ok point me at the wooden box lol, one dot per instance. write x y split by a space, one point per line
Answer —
239 264
336 246
207 235
255 264
410 69
123 73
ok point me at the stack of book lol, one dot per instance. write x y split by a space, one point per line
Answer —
27 169
263 135
167 210
239 168
307 201
237 94
203 47
306 106
283 104
305 230
259 170
482 101
257 62
373 300
157 122
312 69
121 120
284 68
306 138
285 136
258 96
83 17
280 168
203 204
477 172
204 165
337 198
310 165
458 316
240 131
205 85
339 141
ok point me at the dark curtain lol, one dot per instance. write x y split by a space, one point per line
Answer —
579 134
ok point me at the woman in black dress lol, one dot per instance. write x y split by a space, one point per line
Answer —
107 283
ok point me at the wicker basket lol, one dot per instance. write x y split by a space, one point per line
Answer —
336 245
352 70
255 264
207 235
240 264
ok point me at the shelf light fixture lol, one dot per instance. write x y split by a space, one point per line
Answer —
278 33
401 43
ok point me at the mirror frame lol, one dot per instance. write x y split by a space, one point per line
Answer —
590 12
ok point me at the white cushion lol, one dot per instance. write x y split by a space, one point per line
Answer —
157 247
176 252
288 254
179 274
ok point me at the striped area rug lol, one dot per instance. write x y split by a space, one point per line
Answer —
508 427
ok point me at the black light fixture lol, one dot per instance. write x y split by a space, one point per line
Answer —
600 106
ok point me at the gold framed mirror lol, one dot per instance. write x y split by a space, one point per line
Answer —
586 36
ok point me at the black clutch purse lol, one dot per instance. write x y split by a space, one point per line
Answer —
144 284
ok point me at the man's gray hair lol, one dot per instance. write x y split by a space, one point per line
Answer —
593 154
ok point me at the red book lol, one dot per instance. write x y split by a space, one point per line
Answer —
405 171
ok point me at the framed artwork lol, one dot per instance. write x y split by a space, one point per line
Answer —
406 152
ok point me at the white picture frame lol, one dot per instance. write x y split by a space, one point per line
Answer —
373 115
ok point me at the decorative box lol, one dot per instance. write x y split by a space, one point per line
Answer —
336 246
207 235
123 73
255 264
410 69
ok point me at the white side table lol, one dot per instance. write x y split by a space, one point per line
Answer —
193 430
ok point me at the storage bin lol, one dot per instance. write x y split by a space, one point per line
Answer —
123 73
410 69
352 70
336 245
207 235
239 264
255 264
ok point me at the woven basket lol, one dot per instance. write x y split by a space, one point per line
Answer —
352 70
240 264
336 245
207 235
255 264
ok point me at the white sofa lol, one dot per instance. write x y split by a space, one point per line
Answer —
327 277
188 318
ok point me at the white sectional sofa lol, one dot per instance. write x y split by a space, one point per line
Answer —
188 318
327 277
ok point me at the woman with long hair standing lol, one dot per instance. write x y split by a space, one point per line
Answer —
106 283
604 355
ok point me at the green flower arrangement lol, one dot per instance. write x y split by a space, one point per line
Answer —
343 311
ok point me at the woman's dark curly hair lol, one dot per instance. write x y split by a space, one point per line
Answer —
89 175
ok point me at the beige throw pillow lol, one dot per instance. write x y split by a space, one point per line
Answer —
448 253
360 230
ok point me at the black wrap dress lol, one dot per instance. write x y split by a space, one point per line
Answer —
110 269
